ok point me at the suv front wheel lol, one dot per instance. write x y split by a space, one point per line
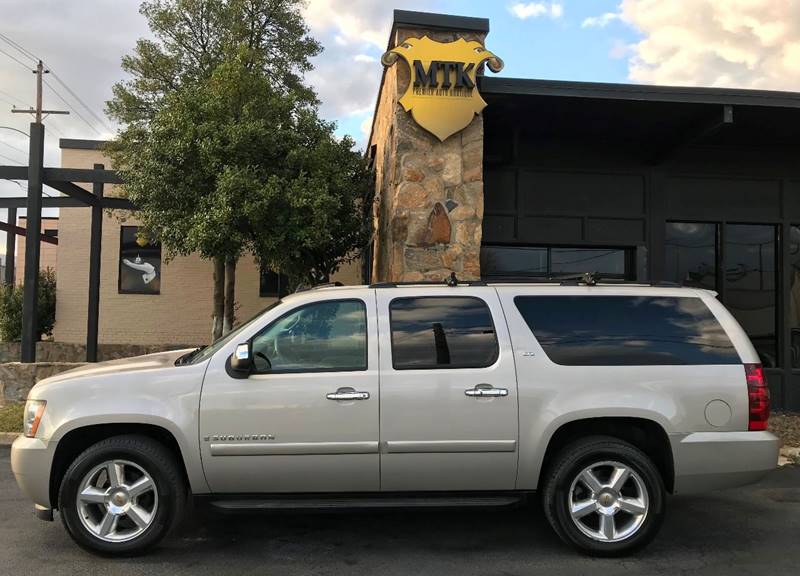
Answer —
604 496
121 495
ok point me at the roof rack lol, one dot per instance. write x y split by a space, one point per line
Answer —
585 279
306 288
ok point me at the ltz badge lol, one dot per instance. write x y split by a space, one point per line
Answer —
442 96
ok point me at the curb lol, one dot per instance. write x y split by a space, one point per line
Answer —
788 455
7 438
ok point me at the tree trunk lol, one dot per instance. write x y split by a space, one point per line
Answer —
230 294
219 299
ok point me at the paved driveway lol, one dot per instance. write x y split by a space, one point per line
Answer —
754 530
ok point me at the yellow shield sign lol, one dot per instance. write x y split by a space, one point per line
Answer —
442 95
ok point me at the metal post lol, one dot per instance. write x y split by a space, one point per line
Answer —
11 246
32 246
95 250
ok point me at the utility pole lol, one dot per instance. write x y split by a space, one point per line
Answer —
34 220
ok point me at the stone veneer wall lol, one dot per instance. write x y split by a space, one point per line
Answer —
429 194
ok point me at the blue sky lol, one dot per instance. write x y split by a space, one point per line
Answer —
738 43
539 46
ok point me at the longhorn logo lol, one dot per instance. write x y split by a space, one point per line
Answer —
442 95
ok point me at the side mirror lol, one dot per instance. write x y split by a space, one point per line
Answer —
240 363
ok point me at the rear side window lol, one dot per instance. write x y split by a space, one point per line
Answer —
442 332
626 330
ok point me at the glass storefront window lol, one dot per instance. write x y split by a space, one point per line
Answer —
542 262
609 262
691 254
750 284
793 305
513 261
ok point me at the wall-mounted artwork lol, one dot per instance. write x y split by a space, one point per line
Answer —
139 263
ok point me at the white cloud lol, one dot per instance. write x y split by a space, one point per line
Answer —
600 21
355 21
741 43
354 33
523 11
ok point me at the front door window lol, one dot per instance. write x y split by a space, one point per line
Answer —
326 336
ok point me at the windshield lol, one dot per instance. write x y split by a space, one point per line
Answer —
202 354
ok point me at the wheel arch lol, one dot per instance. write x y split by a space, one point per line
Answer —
79 439
645 434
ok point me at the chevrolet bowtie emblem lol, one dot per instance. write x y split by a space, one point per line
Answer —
442 96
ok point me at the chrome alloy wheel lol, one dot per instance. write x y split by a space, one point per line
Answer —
608 501
117 501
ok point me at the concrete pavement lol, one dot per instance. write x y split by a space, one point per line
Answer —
752 530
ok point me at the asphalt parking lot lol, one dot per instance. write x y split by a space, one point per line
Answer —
753 530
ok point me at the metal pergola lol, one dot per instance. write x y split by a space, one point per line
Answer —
63 180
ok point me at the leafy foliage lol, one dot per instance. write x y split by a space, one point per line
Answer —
223 149
11 308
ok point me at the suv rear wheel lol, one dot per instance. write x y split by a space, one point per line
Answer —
604 496
121 495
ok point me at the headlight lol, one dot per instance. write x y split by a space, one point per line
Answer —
33 415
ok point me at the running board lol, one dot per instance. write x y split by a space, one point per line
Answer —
365 502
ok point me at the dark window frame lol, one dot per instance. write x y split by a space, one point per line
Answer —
120 290
721 280
270 294
317 370
629 255
494 359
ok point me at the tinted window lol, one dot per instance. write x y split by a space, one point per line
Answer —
691 254
322 337
793 307
626 330
273 284
750 284
442 332
522 261
610 262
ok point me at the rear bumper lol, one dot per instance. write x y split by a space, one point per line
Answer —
712 460
31 459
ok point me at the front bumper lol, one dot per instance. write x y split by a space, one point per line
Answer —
31 460
712 460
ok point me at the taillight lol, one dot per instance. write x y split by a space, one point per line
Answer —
758 397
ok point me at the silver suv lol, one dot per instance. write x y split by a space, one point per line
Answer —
601 399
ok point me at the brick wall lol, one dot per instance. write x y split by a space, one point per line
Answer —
181 313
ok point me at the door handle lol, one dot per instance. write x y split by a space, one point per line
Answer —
347 394
486 391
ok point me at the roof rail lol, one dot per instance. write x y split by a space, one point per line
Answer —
306 288
586 279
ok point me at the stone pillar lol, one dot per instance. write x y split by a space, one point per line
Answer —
429 197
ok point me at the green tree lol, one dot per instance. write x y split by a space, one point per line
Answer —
223 150
11 308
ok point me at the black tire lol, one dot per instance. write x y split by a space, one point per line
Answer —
161 466
569 464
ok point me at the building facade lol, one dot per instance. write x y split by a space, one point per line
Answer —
48 253
695 186
143 298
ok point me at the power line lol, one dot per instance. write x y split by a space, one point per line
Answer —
60 97
68 89
9 158
13 147
15 59
21 49
27 53
9 95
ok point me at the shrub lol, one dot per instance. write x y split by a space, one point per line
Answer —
11 308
